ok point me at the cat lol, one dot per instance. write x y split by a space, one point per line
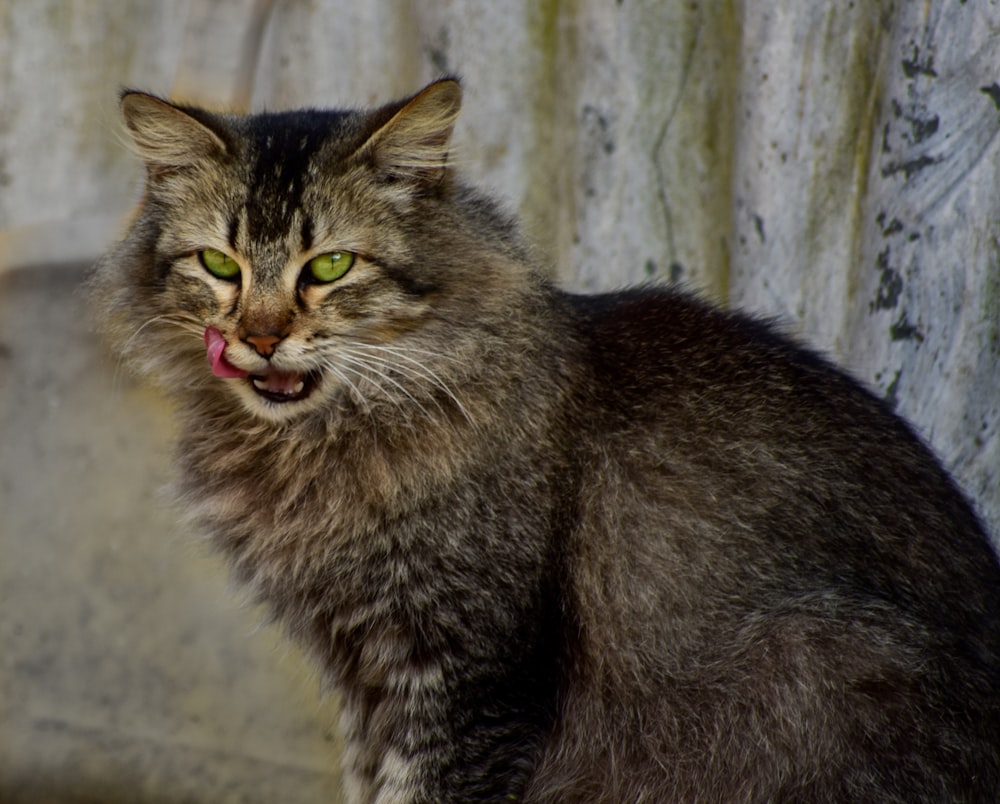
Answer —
548 547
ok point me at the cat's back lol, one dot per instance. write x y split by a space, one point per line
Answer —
693 400
718 427
763 544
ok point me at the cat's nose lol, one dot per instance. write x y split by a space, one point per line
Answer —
264 344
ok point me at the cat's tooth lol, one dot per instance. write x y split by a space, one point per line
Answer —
259 384
297 388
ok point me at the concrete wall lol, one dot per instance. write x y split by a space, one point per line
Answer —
830 164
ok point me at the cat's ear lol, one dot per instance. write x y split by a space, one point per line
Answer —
165 136
413 144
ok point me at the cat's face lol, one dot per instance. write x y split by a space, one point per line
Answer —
285 264
287 326
289 321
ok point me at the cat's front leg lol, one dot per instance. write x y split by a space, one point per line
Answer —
396 743
418 738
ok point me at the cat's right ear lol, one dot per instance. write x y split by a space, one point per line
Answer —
413 144
165 136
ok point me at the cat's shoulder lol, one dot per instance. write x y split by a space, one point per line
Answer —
658 358
653 327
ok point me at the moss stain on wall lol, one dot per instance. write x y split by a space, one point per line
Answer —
991 300
547 205
722 43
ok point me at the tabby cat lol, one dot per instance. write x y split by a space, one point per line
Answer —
549 547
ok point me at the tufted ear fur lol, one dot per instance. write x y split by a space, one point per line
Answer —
165 136
413 144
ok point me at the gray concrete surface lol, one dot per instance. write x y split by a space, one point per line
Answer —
130 670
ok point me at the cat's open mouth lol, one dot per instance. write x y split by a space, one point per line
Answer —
283 386
273 384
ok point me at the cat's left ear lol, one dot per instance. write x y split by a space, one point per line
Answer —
166 136
413 145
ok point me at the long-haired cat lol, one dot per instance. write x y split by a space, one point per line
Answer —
548 547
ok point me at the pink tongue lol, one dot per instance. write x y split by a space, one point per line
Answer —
221 367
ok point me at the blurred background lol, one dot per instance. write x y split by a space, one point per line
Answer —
831 165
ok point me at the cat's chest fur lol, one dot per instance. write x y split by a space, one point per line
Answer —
377 522
396 571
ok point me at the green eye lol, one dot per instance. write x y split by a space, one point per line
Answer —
329 267
219 264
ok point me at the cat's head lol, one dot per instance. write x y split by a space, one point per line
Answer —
293 260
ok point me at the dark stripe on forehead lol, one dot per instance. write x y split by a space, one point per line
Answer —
307 233
234 231
283 146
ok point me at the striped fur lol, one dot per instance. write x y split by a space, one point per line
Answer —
623 548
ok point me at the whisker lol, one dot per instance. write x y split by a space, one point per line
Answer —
410 373
383 370
338 370
181 320
359 360
400 349
420 371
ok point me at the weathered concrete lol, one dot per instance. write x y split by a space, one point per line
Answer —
830 164
129 672
866 207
